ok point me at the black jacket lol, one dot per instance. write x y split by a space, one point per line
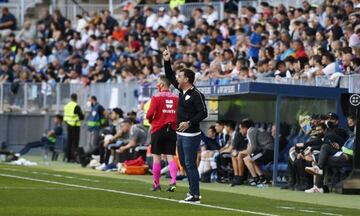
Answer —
191 105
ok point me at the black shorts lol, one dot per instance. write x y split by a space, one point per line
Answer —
263 158
163 141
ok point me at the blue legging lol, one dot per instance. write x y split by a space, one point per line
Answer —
41 143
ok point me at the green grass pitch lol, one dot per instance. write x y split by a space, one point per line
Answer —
66 189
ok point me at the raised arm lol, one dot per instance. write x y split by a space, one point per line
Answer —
170 74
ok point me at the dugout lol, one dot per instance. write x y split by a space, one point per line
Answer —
273 103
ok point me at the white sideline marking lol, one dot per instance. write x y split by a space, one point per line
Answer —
48 174
332 214
309 211
135 194
38 188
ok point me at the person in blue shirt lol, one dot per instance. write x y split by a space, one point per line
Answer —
7 23
255 42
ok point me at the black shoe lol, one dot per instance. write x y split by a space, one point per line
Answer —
191 199
262 180
254 181
287 187
157 188
171 188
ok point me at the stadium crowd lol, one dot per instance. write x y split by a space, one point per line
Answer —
270 41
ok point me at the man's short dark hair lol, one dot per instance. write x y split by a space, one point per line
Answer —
246 123
119 112
212 127
93 98
60 117
220 122
189 74
231 124
73 97
322 125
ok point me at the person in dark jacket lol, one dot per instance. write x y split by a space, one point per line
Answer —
191 111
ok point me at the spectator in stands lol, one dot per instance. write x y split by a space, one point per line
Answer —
176 17
260 150
7 23
47 141
212 15
27 32
254 42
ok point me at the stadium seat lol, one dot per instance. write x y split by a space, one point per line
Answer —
59 147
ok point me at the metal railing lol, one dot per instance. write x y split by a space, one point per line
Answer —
18 8
187 8
71 10
42 98
286 3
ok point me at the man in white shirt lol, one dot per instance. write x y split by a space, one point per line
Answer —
176 16
163 19
40 61
91 56
212 15
181 30
150 18
328 59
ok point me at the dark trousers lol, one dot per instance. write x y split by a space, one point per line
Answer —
40 143
187 150
333 162
223 160
325 152
72 142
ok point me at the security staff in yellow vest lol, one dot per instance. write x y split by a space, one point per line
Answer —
72 116
176 3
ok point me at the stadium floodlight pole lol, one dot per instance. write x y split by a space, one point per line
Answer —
351 185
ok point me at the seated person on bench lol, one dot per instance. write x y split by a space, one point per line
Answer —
46 141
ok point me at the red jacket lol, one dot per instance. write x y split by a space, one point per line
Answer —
163 107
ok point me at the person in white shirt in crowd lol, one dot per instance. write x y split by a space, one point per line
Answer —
163 19
91 56
212 15
40 61
76 41
81 23
328 59
27 32
151 18
176 16
181 30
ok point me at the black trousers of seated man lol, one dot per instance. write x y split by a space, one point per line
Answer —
71 150
327 159
298 178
